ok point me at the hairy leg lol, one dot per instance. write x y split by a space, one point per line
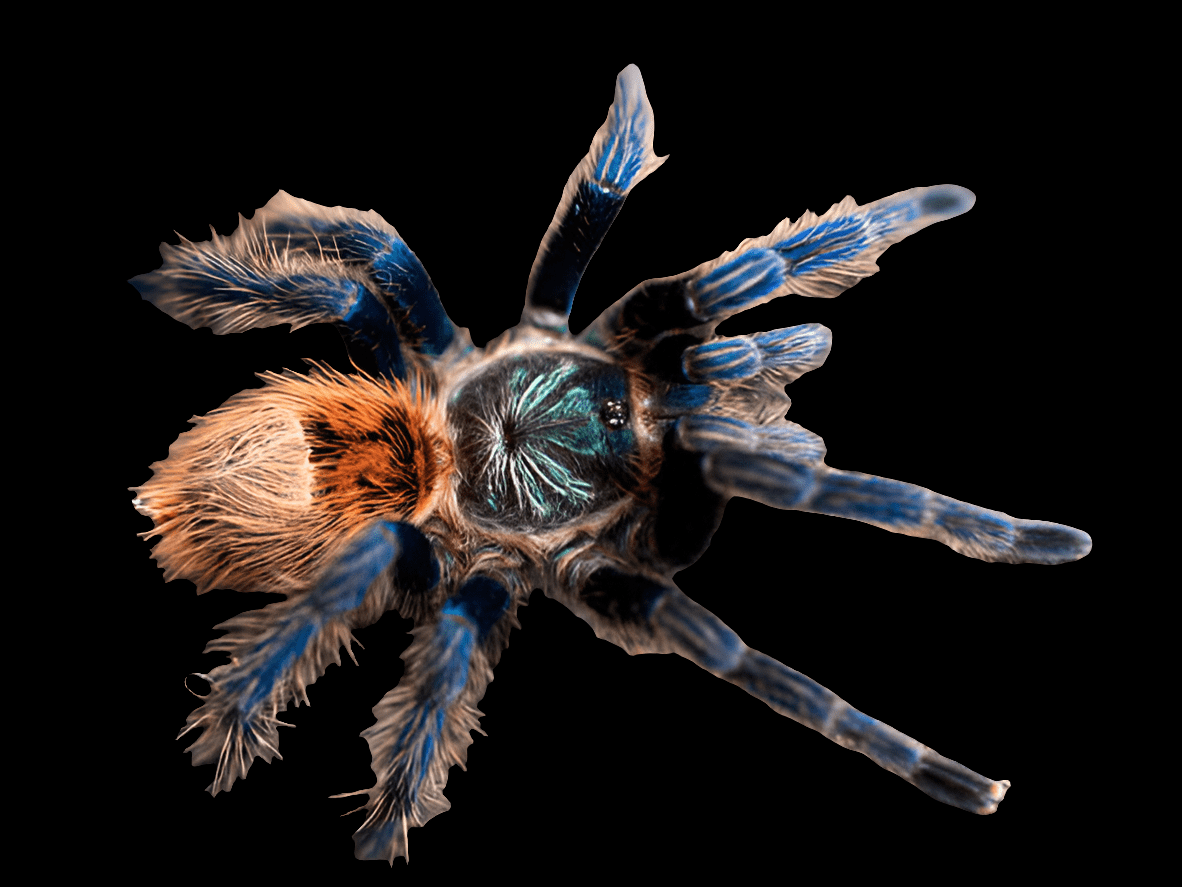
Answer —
646 615
299 263
276 652
424 724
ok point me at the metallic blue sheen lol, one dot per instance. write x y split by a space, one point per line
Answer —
877 500
822 245
685 398
699 635
971 523
403 279
723 360
370 324
882 744
776 482
784 689
289 642
341 588
739 283
450 675
441 685
624 151
792 346
568 248
401 275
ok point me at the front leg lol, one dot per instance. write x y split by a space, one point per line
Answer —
298 263
644 615
621 155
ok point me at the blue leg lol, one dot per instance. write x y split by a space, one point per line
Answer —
299 263
785 354
743 375
819 256
366 241
276 652
621 155
783 482
708 434
645 615
424 724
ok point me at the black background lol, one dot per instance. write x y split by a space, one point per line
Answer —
966 365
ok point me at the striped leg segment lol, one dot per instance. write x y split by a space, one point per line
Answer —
786 354
621 155
786 440
276 652
643 615
366 241
820 256
298 263
892 505
424 724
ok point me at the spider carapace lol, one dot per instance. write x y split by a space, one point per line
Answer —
543 438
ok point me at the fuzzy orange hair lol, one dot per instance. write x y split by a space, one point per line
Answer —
250 498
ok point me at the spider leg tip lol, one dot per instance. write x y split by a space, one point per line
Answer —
995 793
1050 543
947 201
1083 544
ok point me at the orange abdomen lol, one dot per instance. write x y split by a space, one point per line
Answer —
250 498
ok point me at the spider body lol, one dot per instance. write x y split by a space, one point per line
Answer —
543 438
446 482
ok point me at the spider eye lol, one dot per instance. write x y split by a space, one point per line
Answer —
542 439
614 413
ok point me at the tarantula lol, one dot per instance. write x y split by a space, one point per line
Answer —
446 482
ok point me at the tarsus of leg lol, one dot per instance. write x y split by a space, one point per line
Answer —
278 651
892 505
621 155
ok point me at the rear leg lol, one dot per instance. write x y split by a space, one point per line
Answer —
646 615
278 651
424 725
